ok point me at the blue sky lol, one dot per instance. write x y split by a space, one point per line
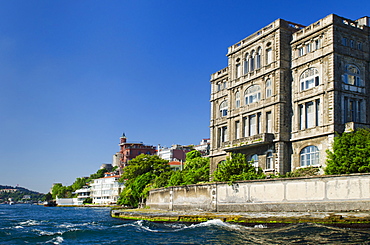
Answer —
75 75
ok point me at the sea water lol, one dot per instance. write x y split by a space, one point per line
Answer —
33 224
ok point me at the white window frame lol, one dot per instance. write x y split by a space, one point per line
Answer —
268 86
253 159
252 94
309 78
258 59
352 76
237 99
309 156
269 58
269 160
246 63
223 109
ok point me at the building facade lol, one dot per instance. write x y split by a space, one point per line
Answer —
106 190
287 89
130 150
174 153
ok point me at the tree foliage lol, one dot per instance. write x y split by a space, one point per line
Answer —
19 194
196 170
236 168
350 154
61 191
143 173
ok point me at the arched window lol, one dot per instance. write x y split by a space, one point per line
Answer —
309 156
246 63
251 60
252 94
254 160
237 99
269 159
258 59
352 76
268 88
223 109
309 78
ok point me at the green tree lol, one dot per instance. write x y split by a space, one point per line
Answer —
143 173
196 169
193 154
236 168
88 200
79 183
350 154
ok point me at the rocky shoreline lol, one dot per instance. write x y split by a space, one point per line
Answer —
360 219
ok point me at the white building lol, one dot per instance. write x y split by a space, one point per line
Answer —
106 190
82 194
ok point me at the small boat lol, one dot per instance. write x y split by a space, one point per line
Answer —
50 204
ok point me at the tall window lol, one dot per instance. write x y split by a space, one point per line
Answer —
237 129
317 44
258 59
352 110
268 88
268 122
254 160
317 112
309 156
268 56
253 125
301 117
222 134
308 48
269 159
344 41
251 60
309 79
352 76
237 99
359 45
300 51
245 127
238 71
223 109
309 114
252 94
246 63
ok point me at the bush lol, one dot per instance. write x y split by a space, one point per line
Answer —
351 153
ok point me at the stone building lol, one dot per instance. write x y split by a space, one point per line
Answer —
287 89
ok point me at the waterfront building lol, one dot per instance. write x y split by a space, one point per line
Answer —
174 153
83 194
288 89
106 190
203 147
130 150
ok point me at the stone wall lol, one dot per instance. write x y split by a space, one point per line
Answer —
325 193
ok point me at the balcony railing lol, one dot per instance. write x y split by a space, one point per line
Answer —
245 142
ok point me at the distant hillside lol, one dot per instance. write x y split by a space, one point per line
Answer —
19 194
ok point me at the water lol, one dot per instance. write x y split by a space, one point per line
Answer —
31 224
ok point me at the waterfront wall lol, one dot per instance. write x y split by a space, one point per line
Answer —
68 201
324 193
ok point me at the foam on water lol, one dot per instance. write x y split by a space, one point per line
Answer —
30 222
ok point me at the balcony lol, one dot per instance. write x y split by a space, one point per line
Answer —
246 142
